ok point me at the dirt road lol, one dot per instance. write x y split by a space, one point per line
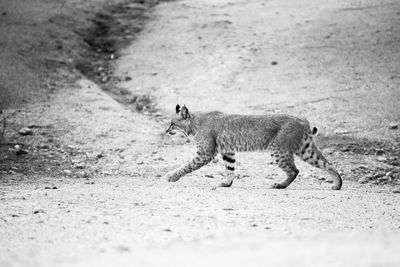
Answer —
336 64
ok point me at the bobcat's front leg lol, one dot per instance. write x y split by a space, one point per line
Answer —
197 162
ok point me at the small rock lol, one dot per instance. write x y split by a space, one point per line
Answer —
25 131
396 191
67 172
128 78
379 152
19 151
274 63
38 211
381 158
50 187
167 230
124 91
393 126
79 166
379 174
253 225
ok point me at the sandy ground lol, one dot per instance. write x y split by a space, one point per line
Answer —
106 203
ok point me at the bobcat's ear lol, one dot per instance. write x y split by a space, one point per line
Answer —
177 109
185 112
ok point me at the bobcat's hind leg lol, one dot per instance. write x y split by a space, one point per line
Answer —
285 161
229 161
313 156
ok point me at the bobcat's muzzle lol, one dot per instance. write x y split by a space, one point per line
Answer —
170 130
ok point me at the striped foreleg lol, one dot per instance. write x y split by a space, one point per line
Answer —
197 162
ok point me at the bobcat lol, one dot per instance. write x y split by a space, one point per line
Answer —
216 132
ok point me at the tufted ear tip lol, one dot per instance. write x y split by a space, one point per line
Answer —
314 130
177 108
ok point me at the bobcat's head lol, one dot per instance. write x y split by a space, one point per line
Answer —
181 123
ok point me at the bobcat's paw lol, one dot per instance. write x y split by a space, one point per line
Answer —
171 177
277 186
336 187
225 184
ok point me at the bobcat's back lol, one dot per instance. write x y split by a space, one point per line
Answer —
250 133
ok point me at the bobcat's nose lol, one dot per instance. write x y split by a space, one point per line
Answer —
170 131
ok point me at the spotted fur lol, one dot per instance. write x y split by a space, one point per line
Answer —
283 135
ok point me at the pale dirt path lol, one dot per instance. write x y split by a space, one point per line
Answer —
130 216
337 65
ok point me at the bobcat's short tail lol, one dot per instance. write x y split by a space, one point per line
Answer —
310 153
314 131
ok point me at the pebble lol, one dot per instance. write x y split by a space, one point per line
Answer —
396 191
50 187
79 166
393 126
25 131
38 211
379 174
274 63
381 158
19 151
